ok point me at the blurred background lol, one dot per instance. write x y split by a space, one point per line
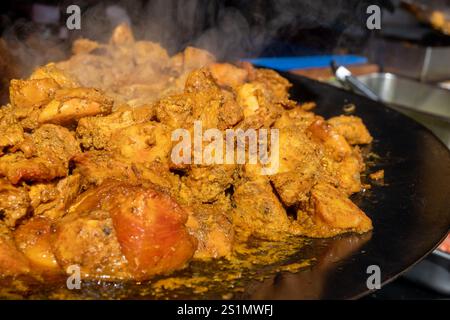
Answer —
405 63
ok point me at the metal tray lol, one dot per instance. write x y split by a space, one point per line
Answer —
427 104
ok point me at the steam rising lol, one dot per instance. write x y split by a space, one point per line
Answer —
228 32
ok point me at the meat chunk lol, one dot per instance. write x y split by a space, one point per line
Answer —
51 71
96 132
258 212
12 261
14 203
33 238
352 128
228 75
70 105
205 184
211 225
144 142
121 231
51 201
335 144
151 230
43 155
95 167
11 132
299 165
331 213
26 95
88 239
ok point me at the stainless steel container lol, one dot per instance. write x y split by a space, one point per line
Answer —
427 104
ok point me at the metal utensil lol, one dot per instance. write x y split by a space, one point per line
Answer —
347 79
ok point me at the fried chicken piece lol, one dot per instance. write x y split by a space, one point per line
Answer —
119 231
70 105
12 261
144 142
231 112
345 174
352 128
26 95
18 168
151 229
88 239
228 75
51 201
95 167
296 117
11 132
257 210
211 225
276 86
96 132
53 72
331 213
336 145
205 184
43 155
299 165
14 203
201 101
258 109
33 239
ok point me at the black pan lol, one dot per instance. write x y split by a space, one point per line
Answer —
410 213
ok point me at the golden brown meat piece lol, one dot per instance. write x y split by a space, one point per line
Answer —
43 155
119 230
258 109
33 239
334 143
205 184
299 165
145 142
352 128
330 212
228 75
151 230
11 132
275 85
88 239
96 132
211 225
257 210
26 95
70 105
14 203
12 261
95 167
201 101
51 71
51 200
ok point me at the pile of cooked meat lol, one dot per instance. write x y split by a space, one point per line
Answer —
86 176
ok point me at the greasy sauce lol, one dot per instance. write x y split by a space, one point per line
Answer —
254 260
